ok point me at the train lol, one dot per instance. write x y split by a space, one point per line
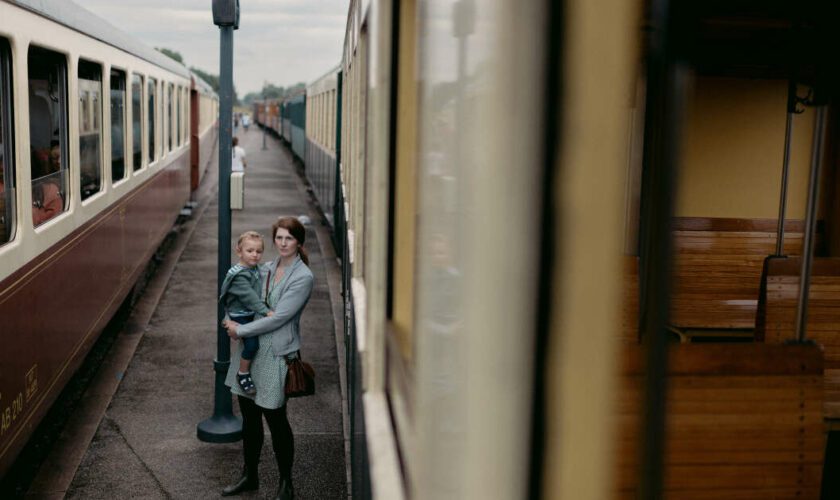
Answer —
103 142
589 249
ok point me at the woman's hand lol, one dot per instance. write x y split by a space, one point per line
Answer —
231 327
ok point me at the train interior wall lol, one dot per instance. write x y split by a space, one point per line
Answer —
733 147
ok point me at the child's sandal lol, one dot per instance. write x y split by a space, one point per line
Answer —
246 383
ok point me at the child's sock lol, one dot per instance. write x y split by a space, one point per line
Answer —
240 372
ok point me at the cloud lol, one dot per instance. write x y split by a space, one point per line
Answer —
279 41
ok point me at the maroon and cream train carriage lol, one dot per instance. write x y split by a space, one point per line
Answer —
204 106
101 142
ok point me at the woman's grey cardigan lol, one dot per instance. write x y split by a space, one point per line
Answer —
284 325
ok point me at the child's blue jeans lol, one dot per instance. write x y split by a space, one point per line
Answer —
249 344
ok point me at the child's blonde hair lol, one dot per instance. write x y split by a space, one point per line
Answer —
249 235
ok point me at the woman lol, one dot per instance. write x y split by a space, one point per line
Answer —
287 284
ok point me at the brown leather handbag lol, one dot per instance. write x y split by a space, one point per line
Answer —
300 378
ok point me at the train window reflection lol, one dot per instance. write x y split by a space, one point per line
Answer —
137 121
90 129
47 133
117 125
150 116
7 170
403 203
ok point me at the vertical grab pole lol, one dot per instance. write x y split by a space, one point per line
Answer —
810 223
791 110
665 94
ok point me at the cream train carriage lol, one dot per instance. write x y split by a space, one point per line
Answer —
99 139
564 271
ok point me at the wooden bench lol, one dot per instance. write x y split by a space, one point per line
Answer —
630 300
717 270
744 421
777 318
717 276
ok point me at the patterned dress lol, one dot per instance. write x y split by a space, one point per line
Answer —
267 371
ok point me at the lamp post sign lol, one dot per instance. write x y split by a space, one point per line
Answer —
223 426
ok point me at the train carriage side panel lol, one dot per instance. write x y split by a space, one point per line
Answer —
61 282
320 140
205 131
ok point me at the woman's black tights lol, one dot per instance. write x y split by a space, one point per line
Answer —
282 439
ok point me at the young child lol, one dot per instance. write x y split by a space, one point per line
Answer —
241 296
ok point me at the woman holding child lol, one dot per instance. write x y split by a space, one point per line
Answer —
286 286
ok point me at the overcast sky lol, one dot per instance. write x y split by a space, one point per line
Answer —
279 41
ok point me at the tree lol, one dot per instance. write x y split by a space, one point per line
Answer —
171 53
272 91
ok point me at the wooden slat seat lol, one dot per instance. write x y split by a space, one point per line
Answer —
744 421
716 277
778 324
630 300
717 274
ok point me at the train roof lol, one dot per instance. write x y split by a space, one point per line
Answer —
78 18
201 84
324 82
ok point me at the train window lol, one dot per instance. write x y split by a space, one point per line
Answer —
48 133
150 117
137 121
185 113
171 121
403 201
117 125
90 128
178 135
7 164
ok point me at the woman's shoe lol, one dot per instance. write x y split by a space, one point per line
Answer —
248 482
285 491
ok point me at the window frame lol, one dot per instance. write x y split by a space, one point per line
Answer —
170 117
9 216
64 128
144 161
125 123
96 116
152 126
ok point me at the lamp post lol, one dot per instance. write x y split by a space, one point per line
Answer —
223 426
265 116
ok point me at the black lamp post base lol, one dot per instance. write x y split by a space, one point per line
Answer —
220 429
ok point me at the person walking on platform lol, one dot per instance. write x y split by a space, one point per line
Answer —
287 285
237 163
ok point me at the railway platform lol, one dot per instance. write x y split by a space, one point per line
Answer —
157 383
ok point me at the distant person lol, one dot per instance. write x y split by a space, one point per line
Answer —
287 285
246 122
235 122
240 293
238 162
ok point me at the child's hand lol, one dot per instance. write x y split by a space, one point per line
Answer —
269 314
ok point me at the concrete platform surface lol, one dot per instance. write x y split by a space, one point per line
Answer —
145 445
